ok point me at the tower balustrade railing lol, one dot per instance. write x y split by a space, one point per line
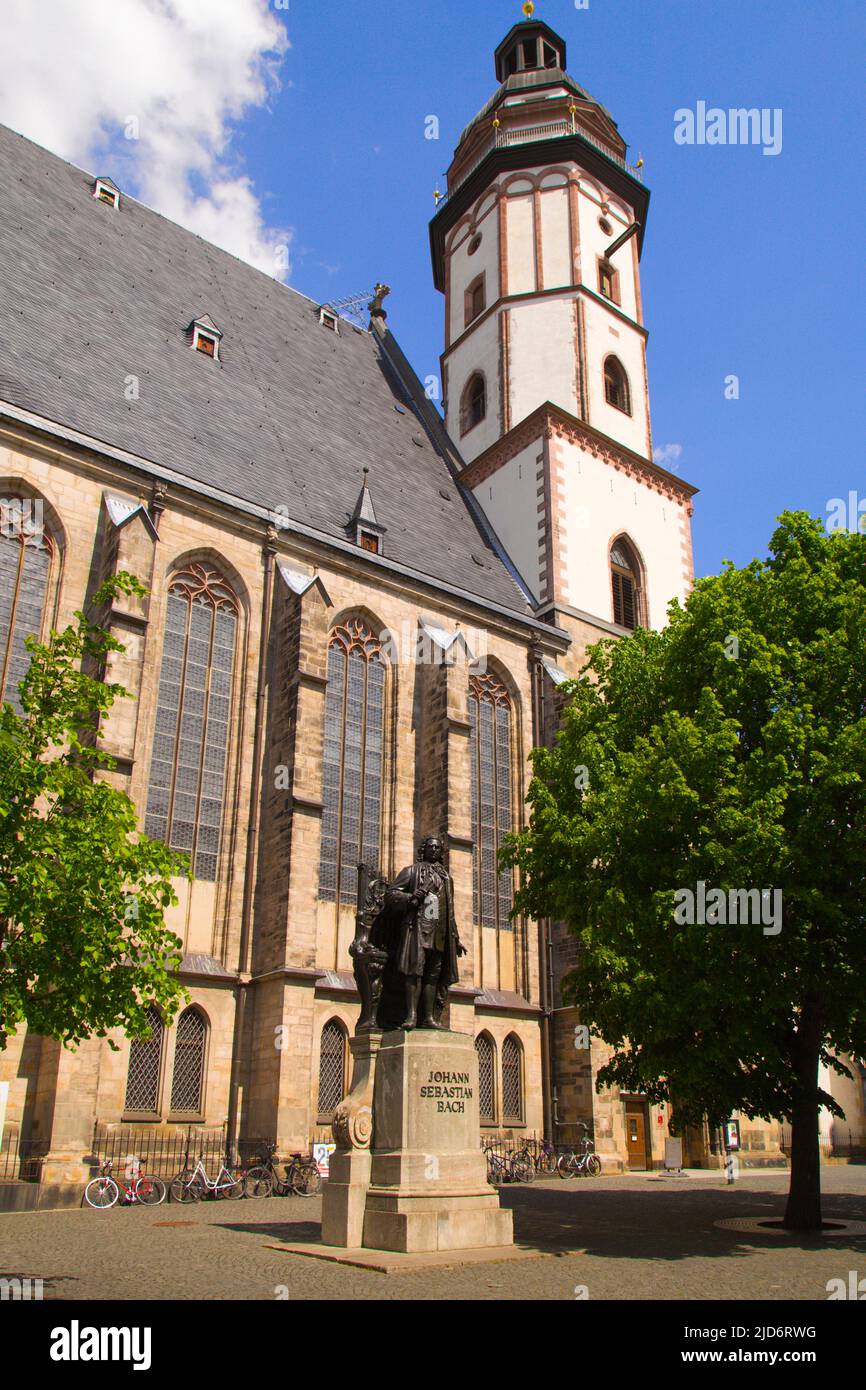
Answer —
523 135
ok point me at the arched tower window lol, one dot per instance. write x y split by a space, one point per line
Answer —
25 567
189 1059
491 781
486 1050
475 300
512 1080
190 747
473 407
145 1067
625 583
332 1067
616 387
352 772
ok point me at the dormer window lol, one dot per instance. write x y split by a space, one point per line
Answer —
104 191
206 336
368 540
328 319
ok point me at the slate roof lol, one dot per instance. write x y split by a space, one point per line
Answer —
286 419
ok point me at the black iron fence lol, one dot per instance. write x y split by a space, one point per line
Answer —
837 1145
20 1159
507 1145
163 1153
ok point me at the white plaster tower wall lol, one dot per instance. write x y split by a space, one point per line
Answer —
599 503
540 233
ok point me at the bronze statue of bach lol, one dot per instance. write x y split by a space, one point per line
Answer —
425 943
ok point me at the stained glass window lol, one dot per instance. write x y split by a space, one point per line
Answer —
190 746
512 1080
25 563
486 1077
189 1055
490 754
145 1063
332 1067
352 770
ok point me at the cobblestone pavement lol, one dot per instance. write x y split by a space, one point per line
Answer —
631 1237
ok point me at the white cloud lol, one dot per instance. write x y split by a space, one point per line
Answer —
667 453
77 74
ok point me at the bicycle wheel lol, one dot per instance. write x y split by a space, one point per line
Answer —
549 1161
495 1174
101 1193
185 1187
593 1165
230 1188
306 1180
522 1169
258 1183
562 1165
149 1191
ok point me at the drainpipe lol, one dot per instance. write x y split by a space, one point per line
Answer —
545 962
270 551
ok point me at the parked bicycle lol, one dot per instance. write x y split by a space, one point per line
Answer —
302 1177
586 1163
192 1184
105 1191
502 1168
541 1154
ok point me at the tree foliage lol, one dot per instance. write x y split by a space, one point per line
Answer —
728 749
83 943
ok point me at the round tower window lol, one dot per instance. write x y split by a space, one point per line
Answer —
474 243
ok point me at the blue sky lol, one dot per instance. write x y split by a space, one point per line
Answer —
263 124
752 264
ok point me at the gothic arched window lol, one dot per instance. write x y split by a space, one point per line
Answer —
473 407
616 388
332 1067
625 582
25 565
490 755
145 1067
190 747
353 760
486 1049
189 1058
512 1080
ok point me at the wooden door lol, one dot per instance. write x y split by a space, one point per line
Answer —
635 1138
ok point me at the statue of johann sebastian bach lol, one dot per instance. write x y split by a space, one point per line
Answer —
426 942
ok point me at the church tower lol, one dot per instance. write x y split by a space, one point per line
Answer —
536 247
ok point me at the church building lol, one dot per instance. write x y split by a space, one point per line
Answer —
359 615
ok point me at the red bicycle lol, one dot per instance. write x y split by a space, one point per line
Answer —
105 1191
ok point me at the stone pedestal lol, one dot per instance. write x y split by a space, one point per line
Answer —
345 1195
428 1176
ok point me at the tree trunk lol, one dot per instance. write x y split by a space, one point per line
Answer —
803 1210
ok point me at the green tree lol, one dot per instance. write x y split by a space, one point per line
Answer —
729 750
83 943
